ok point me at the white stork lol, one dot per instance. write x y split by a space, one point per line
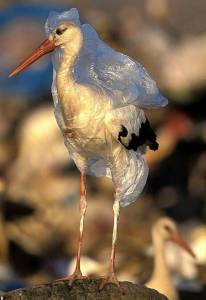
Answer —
165 230
98 95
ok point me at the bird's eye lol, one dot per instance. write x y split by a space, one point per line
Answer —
59 31
167 228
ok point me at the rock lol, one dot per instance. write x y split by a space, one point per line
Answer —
84 289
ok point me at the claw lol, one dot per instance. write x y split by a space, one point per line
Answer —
111 278
71 278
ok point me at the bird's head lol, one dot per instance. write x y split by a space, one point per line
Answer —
66 33
165 230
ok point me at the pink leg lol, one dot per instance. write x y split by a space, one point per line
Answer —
82 207
111 277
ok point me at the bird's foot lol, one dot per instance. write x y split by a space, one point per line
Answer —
111 278
77 275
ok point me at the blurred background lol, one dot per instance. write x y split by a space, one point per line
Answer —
39 185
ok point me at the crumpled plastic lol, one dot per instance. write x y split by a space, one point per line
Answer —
124 82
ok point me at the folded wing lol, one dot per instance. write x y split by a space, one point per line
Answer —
124 79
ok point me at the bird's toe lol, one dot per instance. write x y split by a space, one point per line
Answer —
111 278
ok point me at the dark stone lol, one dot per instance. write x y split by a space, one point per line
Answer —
84 290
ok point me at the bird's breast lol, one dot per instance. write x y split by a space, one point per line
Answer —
79 117
83 111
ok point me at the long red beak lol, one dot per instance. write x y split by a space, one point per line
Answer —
176 238
46 47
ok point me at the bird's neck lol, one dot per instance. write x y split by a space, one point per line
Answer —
160 263
65 81
70 53
161 278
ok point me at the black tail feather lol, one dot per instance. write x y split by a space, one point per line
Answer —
146 136
153 145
